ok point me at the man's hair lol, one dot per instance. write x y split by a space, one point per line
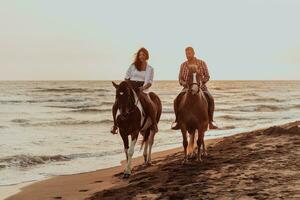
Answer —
189 48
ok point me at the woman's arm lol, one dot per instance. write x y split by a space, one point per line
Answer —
146 86
128 73
148 79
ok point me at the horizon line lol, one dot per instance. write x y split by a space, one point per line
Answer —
154 80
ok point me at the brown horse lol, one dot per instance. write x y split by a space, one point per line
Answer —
131 121
193 115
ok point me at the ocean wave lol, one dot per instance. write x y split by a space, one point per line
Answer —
106 103
226 128
11 101
42 101
72 106
92 110
27 160
231 117
61 90
217 88
168 110
55 100
24 161
91 155
295 106
65 123
167 120
20 121
264 99
106 121
258 108
69 90
267 108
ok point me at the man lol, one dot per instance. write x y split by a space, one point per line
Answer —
201 67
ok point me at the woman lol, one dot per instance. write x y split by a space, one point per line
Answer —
140 75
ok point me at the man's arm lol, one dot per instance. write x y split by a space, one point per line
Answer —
205 73
181 82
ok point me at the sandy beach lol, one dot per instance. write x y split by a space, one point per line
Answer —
261 164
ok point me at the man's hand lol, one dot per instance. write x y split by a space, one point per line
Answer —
183 83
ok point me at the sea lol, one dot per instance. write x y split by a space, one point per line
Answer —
50 128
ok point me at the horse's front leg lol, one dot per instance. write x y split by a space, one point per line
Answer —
190 148
125 143
134 137
184 143
150 141
200 142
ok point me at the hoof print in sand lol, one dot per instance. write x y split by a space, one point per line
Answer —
83 190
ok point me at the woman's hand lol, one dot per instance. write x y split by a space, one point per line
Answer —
141 89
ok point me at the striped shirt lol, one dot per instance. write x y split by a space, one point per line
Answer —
202 71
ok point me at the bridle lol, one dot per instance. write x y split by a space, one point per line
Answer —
198 84
129 111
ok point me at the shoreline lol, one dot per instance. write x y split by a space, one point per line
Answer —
13 191
91 184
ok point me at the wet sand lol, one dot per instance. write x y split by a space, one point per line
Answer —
261 164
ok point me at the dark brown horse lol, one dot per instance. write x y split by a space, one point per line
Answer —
131 121
193 115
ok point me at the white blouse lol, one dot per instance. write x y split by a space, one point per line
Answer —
136 75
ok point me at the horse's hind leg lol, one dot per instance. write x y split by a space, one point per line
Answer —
145 153
185 143
150 141
203 147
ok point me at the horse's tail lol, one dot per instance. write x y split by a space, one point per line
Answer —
191 144
158 104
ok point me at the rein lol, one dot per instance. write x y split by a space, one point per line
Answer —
128 112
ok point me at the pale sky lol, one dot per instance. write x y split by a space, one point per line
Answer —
96 40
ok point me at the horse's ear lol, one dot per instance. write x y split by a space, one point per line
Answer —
115 85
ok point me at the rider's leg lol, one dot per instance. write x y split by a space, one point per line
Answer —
176 105
114 113
149 109
211 108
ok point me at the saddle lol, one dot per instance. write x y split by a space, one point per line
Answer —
141 101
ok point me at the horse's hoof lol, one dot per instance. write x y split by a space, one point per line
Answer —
184 161
149 163
125 176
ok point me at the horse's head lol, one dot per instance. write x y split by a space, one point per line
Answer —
124 97
193 81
